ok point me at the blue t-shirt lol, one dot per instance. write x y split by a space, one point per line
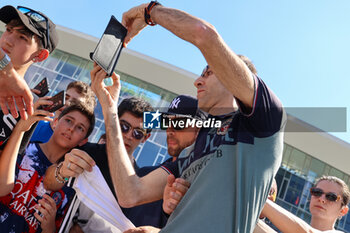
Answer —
231 169
17 208
42 132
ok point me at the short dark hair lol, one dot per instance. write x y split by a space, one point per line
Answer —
135 106
345 189
85 90
80 107
249 63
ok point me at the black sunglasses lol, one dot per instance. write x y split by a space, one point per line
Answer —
317 192
37 17
136 133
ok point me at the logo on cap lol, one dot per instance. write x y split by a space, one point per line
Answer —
175 103
151 120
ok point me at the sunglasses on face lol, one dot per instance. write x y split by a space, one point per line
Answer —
36 17
317 192
178 123
136 133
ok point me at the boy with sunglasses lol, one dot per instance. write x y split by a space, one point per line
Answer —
329 202
30 37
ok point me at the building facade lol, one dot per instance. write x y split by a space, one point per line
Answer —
307 154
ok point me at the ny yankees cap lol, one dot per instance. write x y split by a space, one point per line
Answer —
186 105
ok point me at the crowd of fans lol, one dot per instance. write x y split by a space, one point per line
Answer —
218 179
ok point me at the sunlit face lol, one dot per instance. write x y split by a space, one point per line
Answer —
322 208
71 94
210 91
19 45
70 131
134 123
178 140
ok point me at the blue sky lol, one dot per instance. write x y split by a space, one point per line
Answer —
300 48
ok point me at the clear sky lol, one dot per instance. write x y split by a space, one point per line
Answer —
300 48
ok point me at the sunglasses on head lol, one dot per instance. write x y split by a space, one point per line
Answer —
136 133
36 17
317 192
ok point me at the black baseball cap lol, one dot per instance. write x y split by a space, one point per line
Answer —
7 13
187 106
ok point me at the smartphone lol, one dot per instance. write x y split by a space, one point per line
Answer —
110 45
43 87
58 102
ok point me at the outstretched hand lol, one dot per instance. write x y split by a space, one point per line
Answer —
39 115
134 21
76 162
15 91
47 208
107 95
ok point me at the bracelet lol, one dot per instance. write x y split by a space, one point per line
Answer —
59 178
148 9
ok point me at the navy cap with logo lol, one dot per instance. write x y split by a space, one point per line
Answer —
34 21
186 105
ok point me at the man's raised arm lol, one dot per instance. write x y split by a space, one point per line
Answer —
131 190
227 66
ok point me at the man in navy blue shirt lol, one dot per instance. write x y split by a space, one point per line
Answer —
232 165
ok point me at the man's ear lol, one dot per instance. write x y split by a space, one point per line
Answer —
146 137
42 55
82 142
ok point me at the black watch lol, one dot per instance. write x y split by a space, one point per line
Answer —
148 9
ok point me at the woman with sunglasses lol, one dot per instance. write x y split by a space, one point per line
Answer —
329 200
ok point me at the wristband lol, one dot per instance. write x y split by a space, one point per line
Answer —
148 9
59 178
4 61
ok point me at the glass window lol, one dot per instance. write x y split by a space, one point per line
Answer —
317 168
296 161
335 172
347 224
148 154
286 154
294 190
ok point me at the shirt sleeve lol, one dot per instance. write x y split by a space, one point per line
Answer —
171 167
267 115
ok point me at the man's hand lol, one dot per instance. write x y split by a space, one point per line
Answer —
39 115
75 163
173 193
15 91
107 95
143 229
134 21
47 208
